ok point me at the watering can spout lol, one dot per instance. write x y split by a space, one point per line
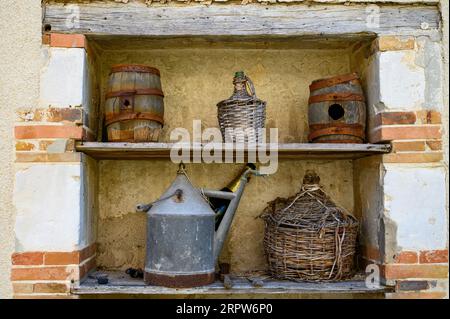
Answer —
221 233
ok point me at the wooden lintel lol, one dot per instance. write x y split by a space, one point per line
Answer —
237 20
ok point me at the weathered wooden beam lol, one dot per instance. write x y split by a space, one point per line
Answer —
238 20
135 151
119 283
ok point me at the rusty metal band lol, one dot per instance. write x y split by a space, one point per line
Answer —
336 97
138 68
350 130
346 141
320 84
149 92
113 118
319 126
134 92
179 281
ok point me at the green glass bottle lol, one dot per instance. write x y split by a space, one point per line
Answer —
220 205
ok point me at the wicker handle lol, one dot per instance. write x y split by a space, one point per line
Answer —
251 87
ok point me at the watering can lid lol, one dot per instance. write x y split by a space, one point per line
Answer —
189 203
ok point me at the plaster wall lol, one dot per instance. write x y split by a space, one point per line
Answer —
193 81
20 26
123 184
47 199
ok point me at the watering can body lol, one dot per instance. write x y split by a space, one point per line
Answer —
182 244
180 238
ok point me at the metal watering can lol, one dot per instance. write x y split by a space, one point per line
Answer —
182 244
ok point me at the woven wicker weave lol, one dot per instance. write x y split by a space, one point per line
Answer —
243 115
309 238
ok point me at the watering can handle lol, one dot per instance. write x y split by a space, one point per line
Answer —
143 208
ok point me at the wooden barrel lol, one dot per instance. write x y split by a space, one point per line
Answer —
337 110
134 106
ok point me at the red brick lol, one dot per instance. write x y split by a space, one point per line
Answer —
88 135
430 157
435 145
406 257
50 288
46 39
21 288
73 115
393 43
429 117
67 40
86 267
24 146
28 258
36 296
413 285
40 273
408 146
70 145
61 258
48 131
45 157
392 118
417 295
405 132
88 252
433 256
396 271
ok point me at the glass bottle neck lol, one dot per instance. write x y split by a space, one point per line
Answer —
234 185
240 88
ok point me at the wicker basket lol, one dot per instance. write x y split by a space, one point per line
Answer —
309 238
243 115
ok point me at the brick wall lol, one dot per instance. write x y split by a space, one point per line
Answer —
404 106
47 133
411 246
55 224
48 274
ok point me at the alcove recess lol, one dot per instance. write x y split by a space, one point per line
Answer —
196 73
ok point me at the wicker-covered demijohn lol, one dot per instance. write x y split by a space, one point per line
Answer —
308 237
242 117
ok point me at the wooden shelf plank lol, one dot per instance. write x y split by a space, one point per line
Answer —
135 151
120 283
236 20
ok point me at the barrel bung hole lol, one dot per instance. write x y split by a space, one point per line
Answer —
336 111
126 103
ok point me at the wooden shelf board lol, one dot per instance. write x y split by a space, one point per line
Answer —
136 151
121 284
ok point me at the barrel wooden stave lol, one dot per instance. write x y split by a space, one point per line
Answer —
350 128
143 120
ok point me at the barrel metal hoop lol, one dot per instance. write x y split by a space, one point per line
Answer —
123 93
336 97
113 118
149 92
134 68
320 84
343 129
